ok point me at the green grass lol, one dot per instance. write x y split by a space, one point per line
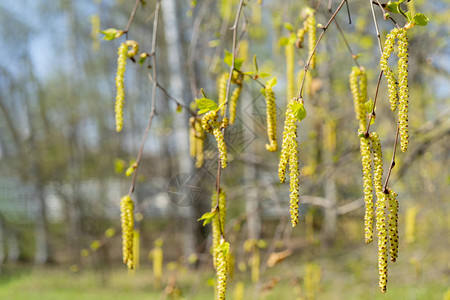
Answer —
60 284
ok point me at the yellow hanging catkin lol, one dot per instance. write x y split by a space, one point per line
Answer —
290 67
222 269
403 91
289 155
368 187
222 88
192 138
393 224
218 225
136 248
209 121
289 132
120 96
381 211
233 102
388 73
95 30
311 29
358 87
271 114
410 224
127 221
157 257
221 146
200 137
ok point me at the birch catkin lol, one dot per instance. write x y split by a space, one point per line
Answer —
358 87
368 187
120 96
290 66
127 221
392 83
222 269
403 91
222 88
271 120
393 224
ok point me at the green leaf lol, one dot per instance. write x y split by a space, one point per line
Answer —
255 63
111 34
263 92
299 111
228 59
409 16
271 83
421 19
207 217
205 105
288 26
249 73
264 75
393 7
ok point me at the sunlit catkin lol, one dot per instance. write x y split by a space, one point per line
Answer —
157 258
95 30
368 187
289 155
290 66
221 146
200 137
388 73
393 224
358 87
222 90
209 121
134 48
127 221
218 222
311 29
377 162
289 134
403 91
222 269
233 102
136 248
271 114
382 240
120 96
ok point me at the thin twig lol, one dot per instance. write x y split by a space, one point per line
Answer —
393 160
353 55
315 47
232 67
154 88
376 27
130 20
372 113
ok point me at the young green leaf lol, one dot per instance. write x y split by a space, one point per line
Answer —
288 26
111 34
205 105
393 7
228 59
271 83
255 63
421 19
208 217
299 111
369 105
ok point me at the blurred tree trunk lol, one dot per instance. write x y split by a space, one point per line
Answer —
178 87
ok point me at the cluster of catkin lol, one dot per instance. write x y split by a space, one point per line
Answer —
309 27
386 213
126 49
289 156
398 90
127 222
197 138
211 125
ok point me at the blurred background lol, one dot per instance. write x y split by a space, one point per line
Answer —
63 167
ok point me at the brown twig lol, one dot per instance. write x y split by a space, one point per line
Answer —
130 20
353 55
153 79
391 166
300 93
232 67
